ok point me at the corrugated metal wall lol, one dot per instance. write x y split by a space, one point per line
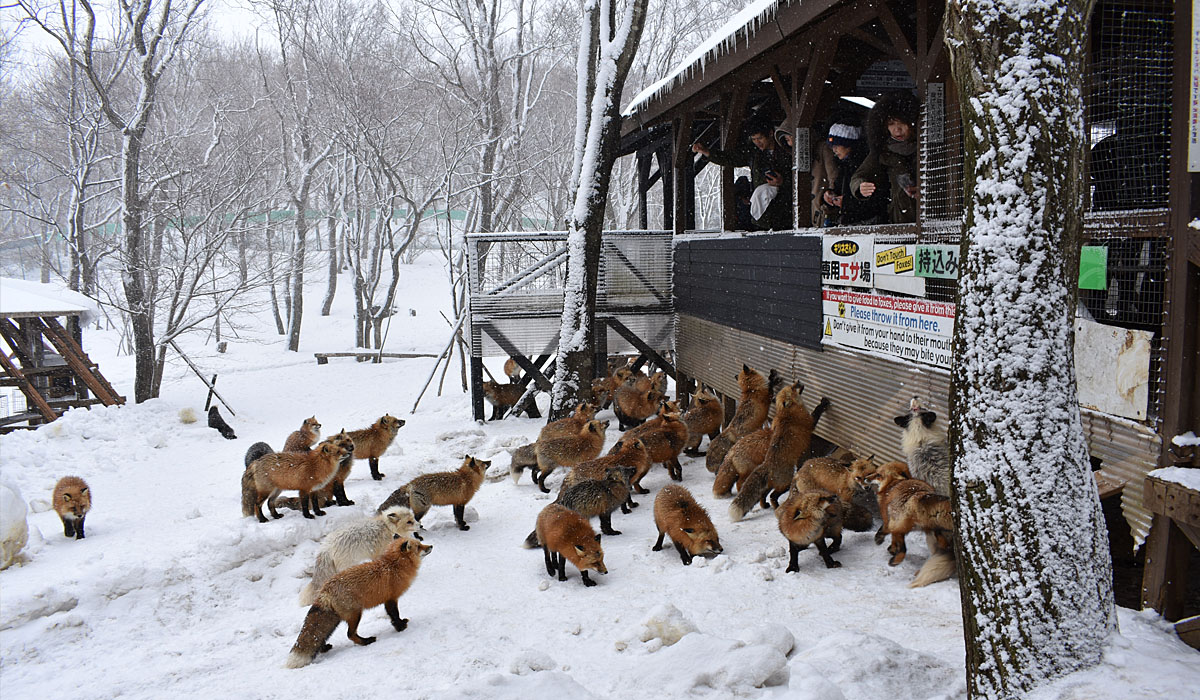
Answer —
867 391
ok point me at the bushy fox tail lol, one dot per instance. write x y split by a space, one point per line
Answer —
726 478
752 491
523 456
249 494
938 567
531 541
717 449
319 624
257 450
323 570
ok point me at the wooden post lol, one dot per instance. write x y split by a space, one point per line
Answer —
476 387
211 388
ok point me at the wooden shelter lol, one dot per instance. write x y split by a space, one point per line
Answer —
44 357
776 299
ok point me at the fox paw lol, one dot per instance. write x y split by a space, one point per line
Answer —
401 625
831 564
895 560
792 568
324 648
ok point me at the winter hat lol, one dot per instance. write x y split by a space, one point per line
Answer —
844 135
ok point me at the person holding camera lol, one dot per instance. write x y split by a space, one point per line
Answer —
770 175
891 165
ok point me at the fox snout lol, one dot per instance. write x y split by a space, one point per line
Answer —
601 568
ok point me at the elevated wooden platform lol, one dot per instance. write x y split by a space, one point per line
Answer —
323 357
1175 530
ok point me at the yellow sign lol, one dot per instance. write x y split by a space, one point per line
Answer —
889 256
828 328
904 264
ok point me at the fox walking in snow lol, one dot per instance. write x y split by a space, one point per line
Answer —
72 501
359 541
344 597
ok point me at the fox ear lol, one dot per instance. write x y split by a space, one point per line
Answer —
689 530
928 417
902 421
66 496
746 368
597 537
579 550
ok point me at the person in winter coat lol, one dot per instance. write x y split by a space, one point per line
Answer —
892 162
841 207
770 169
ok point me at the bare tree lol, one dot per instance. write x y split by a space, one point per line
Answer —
1033 551
606 51
149 37
305 144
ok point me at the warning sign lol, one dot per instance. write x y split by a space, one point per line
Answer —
911 329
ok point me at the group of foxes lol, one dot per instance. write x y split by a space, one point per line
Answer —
761 459
812 504
341 587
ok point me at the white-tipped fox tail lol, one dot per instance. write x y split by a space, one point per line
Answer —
939 567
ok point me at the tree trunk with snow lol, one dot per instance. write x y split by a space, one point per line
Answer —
1032 545
606 51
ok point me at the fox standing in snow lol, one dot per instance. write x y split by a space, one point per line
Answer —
357 542
924 448
72 500
677 515
303 439
344 597
371 443
525 456
569 450
741 461
750 415
703 417
928 459
303 471
809 517
791 436
843 477
664 437
912 504
637 396
454 488
505 396
565 535
600 497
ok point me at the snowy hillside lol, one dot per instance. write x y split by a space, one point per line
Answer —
174 594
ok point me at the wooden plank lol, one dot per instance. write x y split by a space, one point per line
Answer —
898 39
640 344
1189 631
78 360
1164 581
323 357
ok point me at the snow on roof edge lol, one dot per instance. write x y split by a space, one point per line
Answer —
744 24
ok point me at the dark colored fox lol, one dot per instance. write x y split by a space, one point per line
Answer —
750 415
504 396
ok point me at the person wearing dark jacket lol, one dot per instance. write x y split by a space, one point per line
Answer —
843 208
892 135
770 165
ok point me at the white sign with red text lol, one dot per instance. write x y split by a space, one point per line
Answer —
912 329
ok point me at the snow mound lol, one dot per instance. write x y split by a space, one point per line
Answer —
700 662
14 530
776 636
865 666
531 661
499 686
664 626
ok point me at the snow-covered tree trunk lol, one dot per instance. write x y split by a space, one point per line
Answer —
606 51
1032 546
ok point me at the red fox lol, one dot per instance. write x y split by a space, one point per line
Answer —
525 456
750 415
278 471
569 450
626 453
454 488
791 435
72 501
344 597
633 405
741 461
356 542
907 505
677 515
565 535
505 396
842 477
664 437
334 491
371 443
703 417
809 517
303 439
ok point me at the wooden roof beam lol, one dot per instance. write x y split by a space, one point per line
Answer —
898 39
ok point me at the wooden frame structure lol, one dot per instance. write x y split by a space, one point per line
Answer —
47 363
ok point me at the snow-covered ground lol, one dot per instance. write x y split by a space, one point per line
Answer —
174 594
